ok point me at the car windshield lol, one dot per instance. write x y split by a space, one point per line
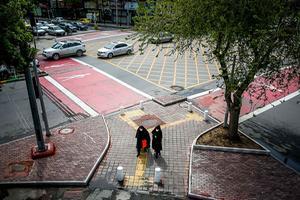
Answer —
109 46
57 45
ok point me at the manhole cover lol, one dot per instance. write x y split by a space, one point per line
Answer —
177 87
66 131
18 167
148 121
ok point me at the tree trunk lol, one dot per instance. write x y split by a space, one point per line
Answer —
234 110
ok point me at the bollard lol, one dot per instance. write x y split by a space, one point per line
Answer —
120 173
141 105
206 115
190 107
157 175
122 112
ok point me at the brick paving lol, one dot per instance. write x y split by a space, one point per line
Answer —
76 154
169 99
226 175
179 131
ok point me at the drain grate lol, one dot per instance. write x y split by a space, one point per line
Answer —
177 87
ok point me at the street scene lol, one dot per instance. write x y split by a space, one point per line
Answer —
116 105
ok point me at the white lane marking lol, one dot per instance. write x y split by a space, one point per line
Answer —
269 106
102 37
55 66
67 78
69 94
202 93
115 79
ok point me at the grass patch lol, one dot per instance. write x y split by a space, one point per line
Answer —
219 137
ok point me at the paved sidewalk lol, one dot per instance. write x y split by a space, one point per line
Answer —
228 175
77 154
179 129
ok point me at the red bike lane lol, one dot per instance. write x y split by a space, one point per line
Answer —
98 91
260 93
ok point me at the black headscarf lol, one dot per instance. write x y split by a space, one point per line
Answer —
157 138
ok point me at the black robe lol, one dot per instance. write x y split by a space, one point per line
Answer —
141 135
156 139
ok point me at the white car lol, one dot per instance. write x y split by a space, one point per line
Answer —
115 49
64 49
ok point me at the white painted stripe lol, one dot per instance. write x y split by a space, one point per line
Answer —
69 94
203 93
269 106
102 37
115 79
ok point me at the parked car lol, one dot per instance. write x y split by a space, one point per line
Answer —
162 38
42 26
85 20
56 30
114 49
80 26
38 31
57 20
64 49
68 26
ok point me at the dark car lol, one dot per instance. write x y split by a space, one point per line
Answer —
80 26
67 27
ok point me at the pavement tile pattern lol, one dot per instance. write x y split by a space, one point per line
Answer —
227 175
180 130
75 156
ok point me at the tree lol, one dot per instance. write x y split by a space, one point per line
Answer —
15 38
247 38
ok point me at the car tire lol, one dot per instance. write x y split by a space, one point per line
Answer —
55 56
110 55
79 53
129 51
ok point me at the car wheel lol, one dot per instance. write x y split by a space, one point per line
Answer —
55 56
129 51
110 55
79 53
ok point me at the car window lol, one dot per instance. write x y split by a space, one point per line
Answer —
109 46
120 45
67 45
56 46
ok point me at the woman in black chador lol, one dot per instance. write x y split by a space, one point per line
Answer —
142 140
156 141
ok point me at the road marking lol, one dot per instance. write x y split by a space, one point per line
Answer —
163 68
143 60
74 98
153 62
185 69
67 78
217 66
196 64
206 62
115 79
269 106
133 59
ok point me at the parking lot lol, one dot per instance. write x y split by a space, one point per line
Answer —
155 65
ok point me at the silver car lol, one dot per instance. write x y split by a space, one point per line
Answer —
64 49
115 49
55 30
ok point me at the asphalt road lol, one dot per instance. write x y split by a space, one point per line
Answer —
16 120
278 129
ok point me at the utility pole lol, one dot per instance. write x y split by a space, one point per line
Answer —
34 111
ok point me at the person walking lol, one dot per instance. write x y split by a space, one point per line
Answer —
142 139
156 140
